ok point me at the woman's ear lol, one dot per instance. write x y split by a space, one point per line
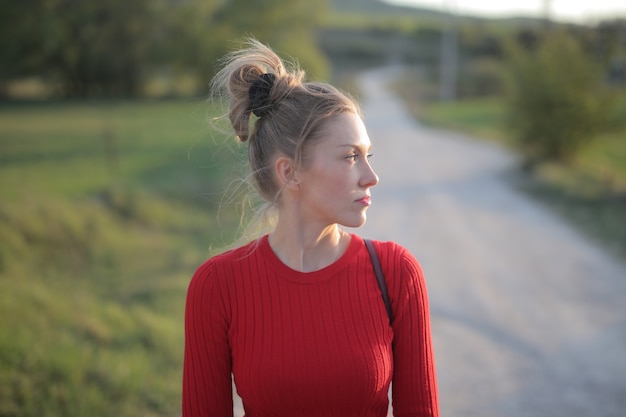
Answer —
286 173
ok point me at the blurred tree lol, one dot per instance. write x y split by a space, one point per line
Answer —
557 100
186 36
20 40
608 43
87 46
93 47
286 25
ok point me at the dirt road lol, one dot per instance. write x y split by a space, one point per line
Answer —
529 317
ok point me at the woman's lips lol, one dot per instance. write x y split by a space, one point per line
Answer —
366 201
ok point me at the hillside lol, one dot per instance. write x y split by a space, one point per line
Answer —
381 8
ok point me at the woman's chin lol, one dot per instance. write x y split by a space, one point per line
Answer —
355 222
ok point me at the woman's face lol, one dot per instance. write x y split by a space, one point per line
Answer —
335 185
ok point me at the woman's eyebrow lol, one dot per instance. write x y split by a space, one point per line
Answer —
355 146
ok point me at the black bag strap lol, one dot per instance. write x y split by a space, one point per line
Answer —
380 277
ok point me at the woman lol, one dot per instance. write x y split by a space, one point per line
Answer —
296 316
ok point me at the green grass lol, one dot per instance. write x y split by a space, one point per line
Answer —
483 118
480 117
77 149
599 168
589 190
106 209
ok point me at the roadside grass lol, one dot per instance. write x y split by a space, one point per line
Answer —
589 191
106 209
483 118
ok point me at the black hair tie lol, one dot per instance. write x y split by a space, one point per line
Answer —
259 94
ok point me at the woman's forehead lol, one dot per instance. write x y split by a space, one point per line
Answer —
346 130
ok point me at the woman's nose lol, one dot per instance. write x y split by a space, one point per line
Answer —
369 177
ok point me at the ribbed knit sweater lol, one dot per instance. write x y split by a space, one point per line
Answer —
308 344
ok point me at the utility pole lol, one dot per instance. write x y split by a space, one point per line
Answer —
449 54
547 13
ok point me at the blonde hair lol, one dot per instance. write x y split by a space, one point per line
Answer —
293 113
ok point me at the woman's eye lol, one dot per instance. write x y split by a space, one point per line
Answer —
355 156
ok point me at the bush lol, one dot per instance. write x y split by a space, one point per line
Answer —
556 98
481 77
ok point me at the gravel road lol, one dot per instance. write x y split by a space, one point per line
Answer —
529 317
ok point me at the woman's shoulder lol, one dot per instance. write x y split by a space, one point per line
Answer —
213 280
396 260
393 251
226 260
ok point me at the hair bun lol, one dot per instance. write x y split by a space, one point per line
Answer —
259 94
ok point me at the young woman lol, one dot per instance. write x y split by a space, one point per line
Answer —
296 316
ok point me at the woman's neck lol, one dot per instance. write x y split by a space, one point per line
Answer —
307 249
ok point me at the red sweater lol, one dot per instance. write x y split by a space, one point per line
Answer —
308 344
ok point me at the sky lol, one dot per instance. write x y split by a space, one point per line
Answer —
583 11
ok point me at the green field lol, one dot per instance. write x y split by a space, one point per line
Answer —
106 209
